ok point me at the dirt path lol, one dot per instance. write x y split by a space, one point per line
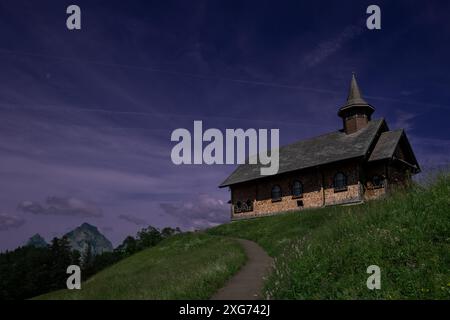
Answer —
248 282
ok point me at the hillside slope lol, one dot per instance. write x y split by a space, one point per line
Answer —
185 266
324 253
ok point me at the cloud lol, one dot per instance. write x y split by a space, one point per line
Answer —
432 153
205 211
10 222
404 120
409 93
329 47
62 206
132 219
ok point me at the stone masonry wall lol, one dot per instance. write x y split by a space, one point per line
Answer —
318 190
370 191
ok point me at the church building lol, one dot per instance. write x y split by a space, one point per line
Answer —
360 162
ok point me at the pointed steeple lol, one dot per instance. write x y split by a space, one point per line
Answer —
356 112
354 95
355 100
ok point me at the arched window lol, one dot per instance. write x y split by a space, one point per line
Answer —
238 207
340 182
297 189
276 193
377 181
249 205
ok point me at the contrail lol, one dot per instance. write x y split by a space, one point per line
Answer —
216 77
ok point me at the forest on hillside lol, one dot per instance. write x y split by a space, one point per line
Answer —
30 270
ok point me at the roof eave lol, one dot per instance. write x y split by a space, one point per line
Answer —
347 107
381 123
290 171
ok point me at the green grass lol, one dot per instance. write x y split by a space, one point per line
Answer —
186 266
324 253
319 254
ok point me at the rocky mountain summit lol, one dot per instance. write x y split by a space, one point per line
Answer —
86 236
37 241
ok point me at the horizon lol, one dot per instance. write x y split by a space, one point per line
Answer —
86 116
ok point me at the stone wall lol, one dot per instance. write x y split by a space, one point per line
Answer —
318 190
353 192
318 187
370 170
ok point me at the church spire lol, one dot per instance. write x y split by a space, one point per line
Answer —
356 112
354 95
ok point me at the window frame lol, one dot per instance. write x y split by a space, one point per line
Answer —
299 196
243 206
345 179
377 186
280 192
238 207
249 205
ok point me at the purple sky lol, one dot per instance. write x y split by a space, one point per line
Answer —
86 116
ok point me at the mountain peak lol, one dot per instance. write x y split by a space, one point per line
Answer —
37 241
87 235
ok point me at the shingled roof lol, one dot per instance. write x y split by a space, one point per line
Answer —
386 144
324 149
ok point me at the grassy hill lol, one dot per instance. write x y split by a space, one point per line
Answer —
319 254
185 266
324 253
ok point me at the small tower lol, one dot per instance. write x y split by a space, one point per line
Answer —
356 112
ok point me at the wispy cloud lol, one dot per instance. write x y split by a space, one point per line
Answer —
133 219
328 47
432 153
204 211
8 222
62 206
404 120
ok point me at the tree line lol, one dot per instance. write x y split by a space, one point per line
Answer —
29 271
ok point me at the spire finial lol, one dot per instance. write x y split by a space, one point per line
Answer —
354 95
356 112
355 99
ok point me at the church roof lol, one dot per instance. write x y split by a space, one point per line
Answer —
324 149
375 138
386 145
